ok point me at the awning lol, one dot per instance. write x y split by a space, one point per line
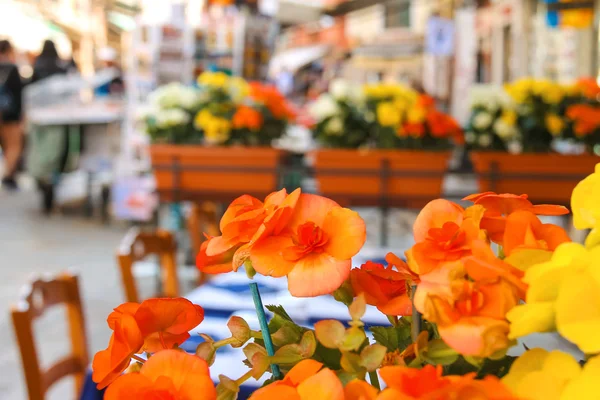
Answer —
294 59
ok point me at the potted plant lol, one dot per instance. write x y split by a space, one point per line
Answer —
392 144
237 122
514 141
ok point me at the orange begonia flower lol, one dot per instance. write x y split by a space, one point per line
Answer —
428 384
165 323
499 206
305 381
586 118
246 221
443 234
167 375
154 325
524 230
385 288
316 248
247 117
473 323
126 341
484 265
359 390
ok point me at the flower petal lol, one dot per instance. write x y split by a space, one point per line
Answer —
302 371
215 264
267 256
311 208
346 233
129 386
434 215
317 274
531 318
325 385
476 336
400 305
360 390
189 373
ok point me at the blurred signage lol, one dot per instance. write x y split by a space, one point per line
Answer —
440 36
570 13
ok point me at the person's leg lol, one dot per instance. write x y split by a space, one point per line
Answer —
12 137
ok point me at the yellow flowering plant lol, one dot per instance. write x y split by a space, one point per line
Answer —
404 118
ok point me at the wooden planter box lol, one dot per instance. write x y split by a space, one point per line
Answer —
546 178
197 173
380 177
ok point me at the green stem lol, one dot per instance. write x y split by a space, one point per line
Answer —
264 327
256 334
416 318
244 378
224 342
374 380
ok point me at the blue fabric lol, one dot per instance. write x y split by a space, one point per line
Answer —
89 391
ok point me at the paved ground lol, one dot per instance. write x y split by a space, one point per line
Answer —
31 244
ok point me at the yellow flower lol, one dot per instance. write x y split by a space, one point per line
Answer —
585 385
563 295
217 130
387 114
202 118
239 88
554 124
509 117
214 79
416 115
542 375
585 202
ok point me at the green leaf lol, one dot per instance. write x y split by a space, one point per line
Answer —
351 362
287 334
497 368
329 357
308 344
393 337
437 352
344 294
358 307
353 339
279 311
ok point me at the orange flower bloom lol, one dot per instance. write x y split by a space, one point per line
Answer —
525 231
247 117
126 341
484 265
245 221
473 322
413 129
589 87
316 248
586 118
385 288
499 206
306 381
168 375
154 325
443 235
165 323
428 384
272 99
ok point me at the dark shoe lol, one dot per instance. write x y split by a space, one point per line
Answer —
10 184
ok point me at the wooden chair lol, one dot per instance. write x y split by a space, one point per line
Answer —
38 297
202 218
138 245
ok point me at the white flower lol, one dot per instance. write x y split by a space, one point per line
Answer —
515 147
171 118
470 137
339 89
504 130
335 126
174 95
482 120
325 106
485 140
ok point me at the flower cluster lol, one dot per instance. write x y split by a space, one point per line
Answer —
455 306
340 117
382 115
308 238
170 113
532 114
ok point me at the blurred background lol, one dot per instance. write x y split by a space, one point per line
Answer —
125 118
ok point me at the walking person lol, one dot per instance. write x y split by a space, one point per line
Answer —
11 103
48 63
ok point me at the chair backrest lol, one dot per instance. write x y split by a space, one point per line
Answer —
202 218
38 297
136 246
